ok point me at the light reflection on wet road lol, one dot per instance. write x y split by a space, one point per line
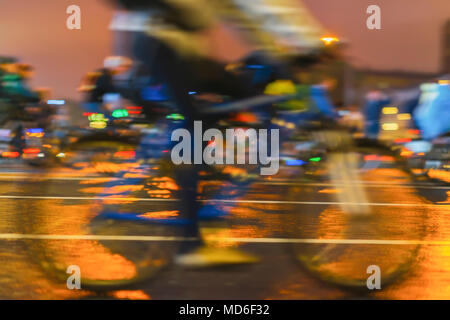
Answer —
63 202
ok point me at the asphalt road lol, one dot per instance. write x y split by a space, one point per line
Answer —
301 243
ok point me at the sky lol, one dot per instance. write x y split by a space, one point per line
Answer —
410 35
35 31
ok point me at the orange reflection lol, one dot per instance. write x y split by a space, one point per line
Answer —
131 295
135 175
330 191
97 180
160 214
95 261
113 190
161 187
439 174
119 199
105 167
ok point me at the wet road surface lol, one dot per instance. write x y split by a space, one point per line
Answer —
305 246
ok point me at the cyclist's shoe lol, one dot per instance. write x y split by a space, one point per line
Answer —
214 257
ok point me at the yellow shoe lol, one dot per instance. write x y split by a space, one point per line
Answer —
214 257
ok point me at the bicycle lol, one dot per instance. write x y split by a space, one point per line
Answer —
310 152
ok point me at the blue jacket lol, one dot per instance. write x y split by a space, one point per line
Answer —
433 113
321 101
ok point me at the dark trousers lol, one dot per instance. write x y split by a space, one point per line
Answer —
182 75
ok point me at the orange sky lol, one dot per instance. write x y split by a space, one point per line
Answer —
411 33
36 32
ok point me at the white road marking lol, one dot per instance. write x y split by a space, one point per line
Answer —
426 205
328 203
18 236
86 198
368 184
39 177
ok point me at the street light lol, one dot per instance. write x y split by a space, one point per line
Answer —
328 40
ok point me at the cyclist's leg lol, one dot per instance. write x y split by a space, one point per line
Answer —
182 75
168 68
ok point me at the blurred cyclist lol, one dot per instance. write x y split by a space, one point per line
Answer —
375 101
13 82
14 90
98 85
432 114
188 43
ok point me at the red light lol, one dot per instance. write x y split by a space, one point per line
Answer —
374 157
9 154
402 140
133 108
125 154
134 112
87 114
371 157
31 150
386 159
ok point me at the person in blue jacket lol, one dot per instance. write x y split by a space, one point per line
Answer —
433 112
375 101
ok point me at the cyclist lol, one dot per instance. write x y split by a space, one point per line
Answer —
188 43
375 101
433 112
14 91
13 83
100 85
